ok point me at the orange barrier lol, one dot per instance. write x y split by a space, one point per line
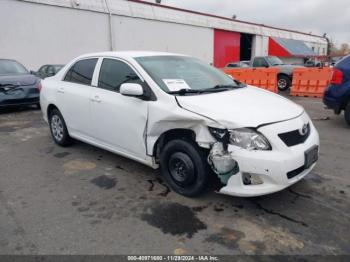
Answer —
310 82
265 78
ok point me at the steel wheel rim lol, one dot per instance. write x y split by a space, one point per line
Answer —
181 169
282 83
57 127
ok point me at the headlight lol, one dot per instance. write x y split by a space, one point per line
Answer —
249 139
221 135
243 137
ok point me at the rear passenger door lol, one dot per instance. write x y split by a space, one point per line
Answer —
73 97
119 121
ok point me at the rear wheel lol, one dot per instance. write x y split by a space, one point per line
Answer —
59 129
347 114
283 82
184 167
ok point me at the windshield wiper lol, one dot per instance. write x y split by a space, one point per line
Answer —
226 87
184 91
240 84
217 88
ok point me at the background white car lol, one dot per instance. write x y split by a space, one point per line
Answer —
185 116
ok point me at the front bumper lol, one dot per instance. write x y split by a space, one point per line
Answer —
272 166
20 97
336 97
332 103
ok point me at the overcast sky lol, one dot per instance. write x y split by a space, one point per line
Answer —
316 16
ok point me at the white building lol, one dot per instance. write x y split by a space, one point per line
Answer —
37 32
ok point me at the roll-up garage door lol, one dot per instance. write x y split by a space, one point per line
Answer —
226 47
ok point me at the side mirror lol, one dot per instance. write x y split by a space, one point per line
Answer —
131 89
32 72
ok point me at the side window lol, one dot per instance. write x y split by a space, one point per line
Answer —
113 73
259 62
43 69
50 71
81 72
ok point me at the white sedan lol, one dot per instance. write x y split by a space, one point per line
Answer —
184 116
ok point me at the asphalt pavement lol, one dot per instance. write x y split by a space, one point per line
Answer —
84 200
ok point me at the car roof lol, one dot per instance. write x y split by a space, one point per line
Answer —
130 54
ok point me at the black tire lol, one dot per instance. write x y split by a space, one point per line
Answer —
347 113
57 119
38 106
283 82
184 166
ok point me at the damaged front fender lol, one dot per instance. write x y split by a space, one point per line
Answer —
160 122
177 118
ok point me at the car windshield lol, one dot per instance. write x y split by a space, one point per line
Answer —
273 60
10 67
175 73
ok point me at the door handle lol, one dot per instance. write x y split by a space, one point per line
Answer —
60 90
96 99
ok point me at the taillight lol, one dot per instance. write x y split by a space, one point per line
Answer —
39 86
337 77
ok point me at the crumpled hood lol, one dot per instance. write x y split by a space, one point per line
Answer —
22 80
245 107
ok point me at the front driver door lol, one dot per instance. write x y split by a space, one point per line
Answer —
119 121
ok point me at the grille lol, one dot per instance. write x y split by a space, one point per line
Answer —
294 137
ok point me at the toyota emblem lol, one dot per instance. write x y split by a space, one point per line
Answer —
304 130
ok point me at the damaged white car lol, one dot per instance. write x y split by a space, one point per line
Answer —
184 116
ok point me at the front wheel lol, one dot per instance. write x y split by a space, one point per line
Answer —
59 129
283 82
347 113
184 167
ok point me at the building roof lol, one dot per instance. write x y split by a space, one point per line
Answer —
295 47
221 17
289 48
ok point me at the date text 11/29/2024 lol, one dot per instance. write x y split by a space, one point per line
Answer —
173 258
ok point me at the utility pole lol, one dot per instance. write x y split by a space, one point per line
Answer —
110 22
